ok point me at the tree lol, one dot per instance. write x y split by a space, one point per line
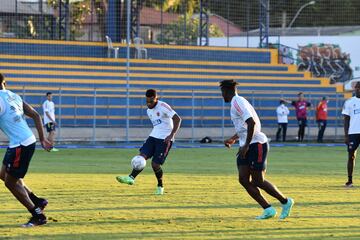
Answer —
175 33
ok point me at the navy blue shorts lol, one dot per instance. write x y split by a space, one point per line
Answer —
255 157
156 149
354 141
17 160
50 127
302 122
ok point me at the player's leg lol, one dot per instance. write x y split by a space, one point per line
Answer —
147 151
39 202
299 131
278 132
254 192
354 141
161 152
319 130
258 169
284 131
51 136
322 130
16 163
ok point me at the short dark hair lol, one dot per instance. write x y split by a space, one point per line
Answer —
2 78
300 93
48 93
229 83
282 101
150 93
324 98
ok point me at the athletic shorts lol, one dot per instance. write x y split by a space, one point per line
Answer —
50 127
354 141
156 149
302 122
255 157
17 160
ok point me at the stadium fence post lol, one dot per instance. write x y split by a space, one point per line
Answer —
192 116
127 70
59 114
223 121
311 119
94 119
336 115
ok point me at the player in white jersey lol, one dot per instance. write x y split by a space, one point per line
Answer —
252 154
20 151
351 112
49 119
166 122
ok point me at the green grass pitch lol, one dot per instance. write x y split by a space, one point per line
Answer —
203 198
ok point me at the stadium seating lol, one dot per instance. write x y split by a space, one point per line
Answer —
90 89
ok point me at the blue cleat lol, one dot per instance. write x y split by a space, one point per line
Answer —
269 212
286 208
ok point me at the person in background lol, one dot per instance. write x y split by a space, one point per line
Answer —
49 119
321 117
282 115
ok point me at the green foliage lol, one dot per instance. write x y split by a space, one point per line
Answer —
186 34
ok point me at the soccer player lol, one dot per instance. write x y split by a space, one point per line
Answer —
166 123
49 119
351 112
21 148
321 118
301 106
282 115
252 154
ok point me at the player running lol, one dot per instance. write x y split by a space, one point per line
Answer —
166 123
20 151
252 154
351 112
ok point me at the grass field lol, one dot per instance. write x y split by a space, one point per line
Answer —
203 198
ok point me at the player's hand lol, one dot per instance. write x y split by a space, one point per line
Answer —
46 145
347 140
55 123
229 142
168 139
242 151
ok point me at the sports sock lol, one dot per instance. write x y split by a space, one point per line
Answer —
36 211
267 206
284 202
159 175
350 178
134 173
34 198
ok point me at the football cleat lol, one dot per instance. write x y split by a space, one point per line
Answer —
159 191
42 203
349 184
286 208
125 179
35 221
269 212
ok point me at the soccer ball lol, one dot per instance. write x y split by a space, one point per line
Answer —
138 163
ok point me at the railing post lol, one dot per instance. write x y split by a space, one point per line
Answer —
223 121
94 119
60 118
192 116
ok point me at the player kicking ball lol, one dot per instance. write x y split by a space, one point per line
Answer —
166 123
251 158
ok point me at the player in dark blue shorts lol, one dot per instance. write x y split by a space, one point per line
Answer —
166 123
20 151
351 112
252 154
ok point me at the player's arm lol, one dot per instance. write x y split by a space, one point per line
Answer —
230 141
177 121
32 113
250 133
346 128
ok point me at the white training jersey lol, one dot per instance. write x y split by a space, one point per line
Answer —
49 106
282 113
240 111
352 109
161 118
